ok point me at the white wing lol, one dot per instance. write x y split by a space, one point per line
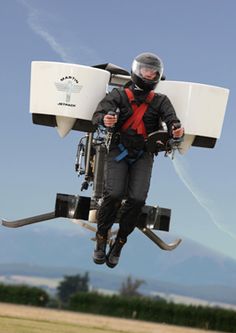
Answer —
61 86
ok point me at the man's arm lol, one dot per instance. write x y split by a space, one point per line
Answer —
107 105
168 115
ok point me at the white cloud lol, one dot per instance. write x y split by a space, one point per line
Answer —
68 45
33 20
204 202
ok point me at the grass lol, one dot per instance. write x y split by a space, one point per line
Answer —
27 319
21 325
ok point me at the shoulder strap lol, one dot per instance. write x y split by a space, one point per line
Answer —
131 98
150 97
130 95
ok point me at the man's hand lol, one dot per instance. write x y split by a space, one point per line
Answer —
177 131
110 120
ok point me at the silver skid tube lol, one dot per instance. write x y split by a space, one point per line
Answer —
28 220
159 242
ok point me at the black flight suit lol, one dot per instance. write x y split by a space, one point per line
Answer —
123 180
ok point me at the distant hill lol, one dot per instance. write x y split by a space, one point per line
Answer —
190 270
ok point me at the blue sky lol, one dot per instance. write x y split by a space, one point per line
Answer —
195 39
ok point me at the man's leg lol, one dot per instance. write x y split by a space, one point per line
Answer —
115 185
138 186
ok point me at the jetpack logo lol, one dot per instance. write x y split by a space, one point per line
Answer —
70 85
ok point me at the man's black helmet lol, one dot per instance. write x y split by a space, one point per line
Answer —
149 63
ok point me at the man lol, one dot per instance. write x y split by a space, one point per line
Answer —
128 165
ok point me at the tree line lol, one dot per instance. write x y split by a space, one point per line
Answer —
73 293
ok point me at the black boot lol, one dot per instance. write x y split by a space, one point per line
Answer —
113 255
99 254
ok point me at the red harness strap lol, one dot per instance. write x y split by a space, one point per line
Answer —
135 121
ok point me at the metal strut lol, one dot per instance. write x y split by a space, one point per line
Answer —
158 241
29 220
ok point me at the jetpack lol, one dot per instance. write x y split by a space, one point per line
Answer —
65 96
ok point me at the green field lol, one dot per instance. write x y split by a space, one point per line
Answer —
31 319
20 325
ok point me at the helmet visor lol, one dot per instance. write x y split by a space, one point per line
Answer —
147 71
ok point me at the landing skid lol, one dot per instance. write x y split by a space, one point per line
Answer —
77 208
159 242
28 220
